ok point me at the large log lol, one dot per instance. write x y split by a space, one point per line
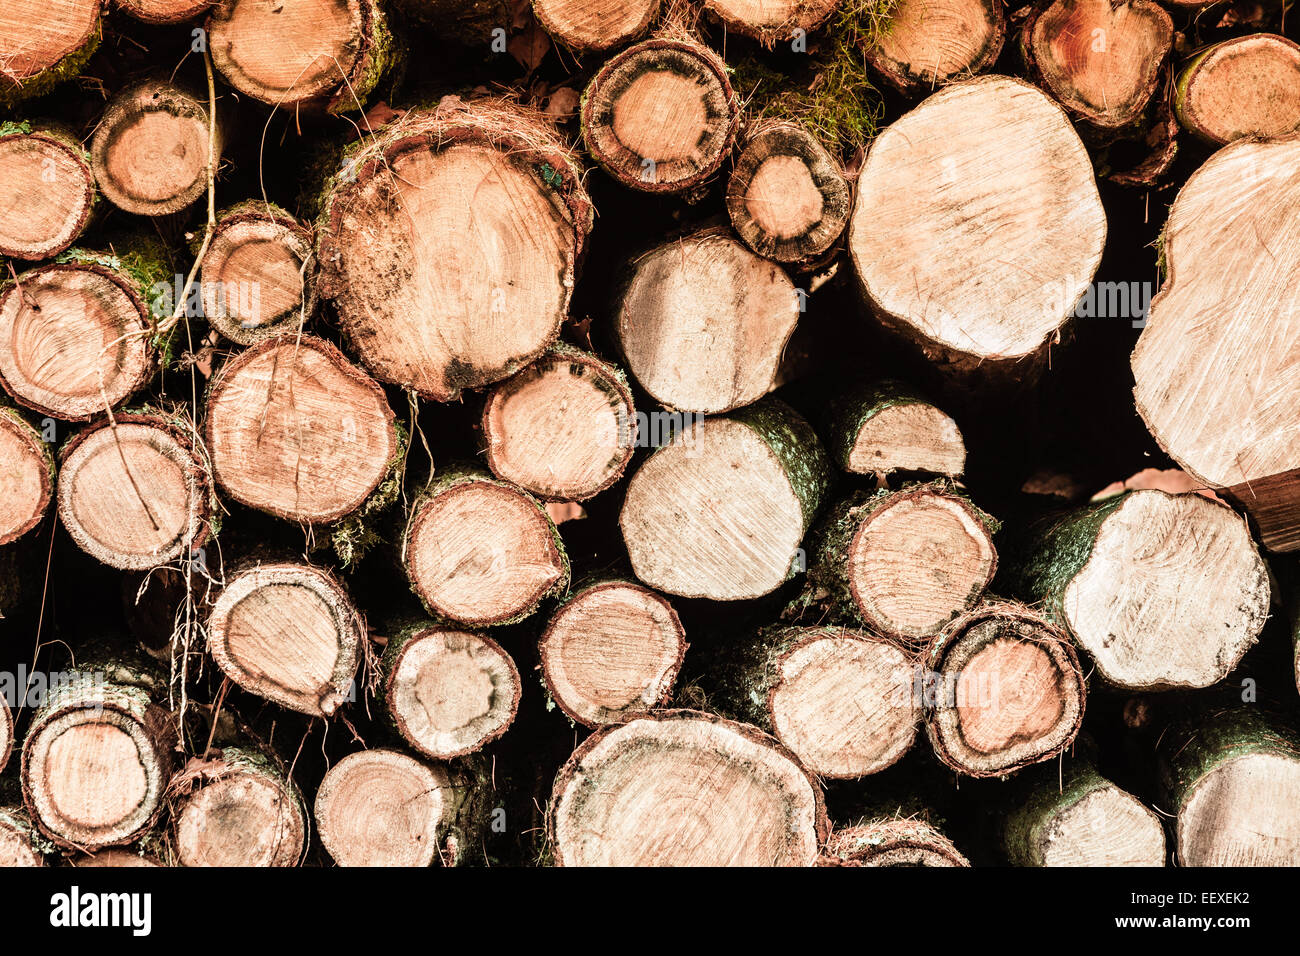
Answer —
44 43
47 190
27 479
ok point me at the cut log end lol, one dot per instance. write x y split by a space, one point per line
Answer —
680 788
894 842
17 844
769 21
115 857
46 194
150 150
64 29
450 693
482 552
661 116
6 732
289 633
1105 827
1249 86
26 481
1241 814
163 11
612 650
1008 692
584 25
296 430
928 43
237 811
913 437
563 428
132 493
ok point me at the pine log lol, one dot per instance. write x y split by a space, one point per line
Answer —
151 149
302 55
1216 384
787 196
703 322
878 429
26 476
481 552
258 274
926 44
661 116
163 11
44 43
132 493
450 244
769 21
587 25
1101 60
1161 590
721 511
236 807
612 649
1005 691
1245 87
904 563
449 692
564 428
683 788
385 808
287 632
74 334
20 844
844 702
1234 781
1080 818
975 253
893 841
47 191
296 430
97 757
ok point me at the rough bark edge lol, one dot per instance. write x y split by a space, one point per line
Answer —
858 844
33 438
132 9
797 449
6 732
799 19
1187 74
64 140
13 90
581 46
913 85
849 412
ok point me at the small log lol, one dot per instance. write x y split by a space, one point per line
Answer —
237 808
1005 691
151 151
1245 87
47 191
721 511
1102 61
287 632
683 788
703 322
27 479
611 650
449 692
481 552
34 61
296 430
385 808
304 55
769 21
926 44
843 701
1217 387
661 116
449 244
886 427
564 428
893 841
974 253
787 196
904 563
258 275
20 844
114 856
163 11
132 492
1161 590
587 25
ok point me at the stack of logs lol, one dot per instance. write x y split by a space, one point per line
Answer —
229 376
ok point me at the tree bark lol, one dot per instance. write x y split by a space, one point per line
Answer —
589 25
926 44
163 11
27 481
47 190
1245 87
878 429
893 841
38 61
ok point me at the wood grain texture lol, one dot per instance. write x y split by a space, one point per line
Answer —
926 44
26 476
47 193
1245 87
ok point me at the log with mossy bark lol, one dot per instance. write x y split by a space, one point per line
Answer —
1244 87
258 275
450 242
288 632
721 511
34 60
892 841
590 25
886 427
923 45
564 428
20 843
1003 690
303 55
1233 780
27 475
481 552
1161 590
383 807
1216 386
974 254
661 116
682 788
163 11
6 731
47 190
612 649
